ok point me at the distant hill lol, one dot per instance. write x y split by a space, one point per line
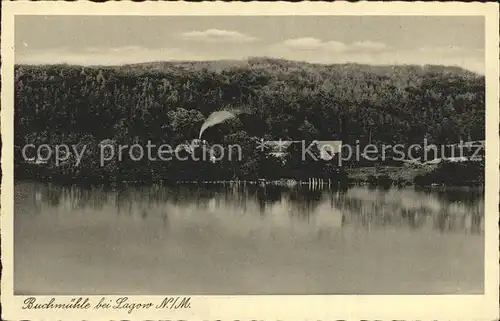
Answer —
264 62
167 102
348 100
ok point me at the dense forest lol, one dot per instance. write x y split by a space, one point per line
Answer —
167 102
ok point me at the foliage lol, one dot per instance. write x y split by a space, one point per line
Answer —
166 102
448 173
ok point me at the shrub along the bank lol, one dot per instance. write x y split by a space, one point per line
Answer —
454 174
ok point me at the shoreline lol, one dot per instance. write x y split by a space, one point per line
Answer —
358 181
447 174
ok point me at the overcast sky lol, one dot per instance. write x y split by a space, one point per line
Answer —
90 40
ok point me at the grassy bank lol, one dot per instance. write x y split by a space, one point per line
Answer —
395 173
445 173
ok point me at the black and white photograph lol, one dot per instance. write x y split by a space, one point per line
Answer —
201 155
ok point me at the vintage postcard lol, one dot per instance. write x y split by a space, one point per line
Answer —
248 161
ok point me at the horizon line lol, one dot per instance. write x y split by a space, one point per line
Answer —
247 60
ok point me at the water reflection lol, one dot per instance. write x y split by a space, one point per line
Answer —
246 239
301 208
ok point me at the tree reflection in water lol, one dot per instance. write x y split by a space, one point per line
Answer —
446 210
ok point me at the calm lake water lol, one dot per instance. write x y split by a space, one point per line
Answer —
245 239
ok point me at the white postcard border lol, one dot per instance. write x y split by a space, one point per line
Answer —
320 307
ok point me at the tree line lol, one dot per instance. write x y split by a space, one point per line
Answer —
167 102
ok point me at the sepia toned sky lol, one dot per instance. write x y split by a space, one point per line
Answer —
112 40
